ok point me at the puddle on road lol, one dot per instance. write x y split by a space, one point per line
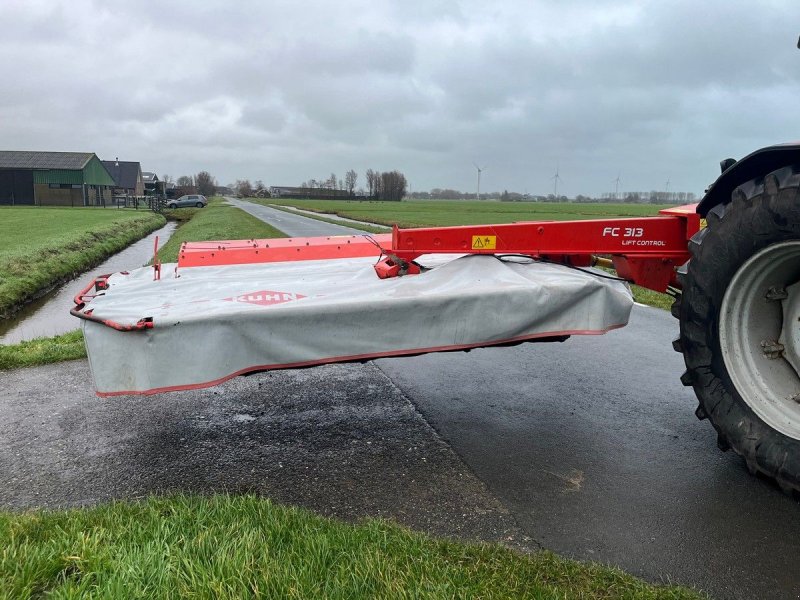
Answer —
49 315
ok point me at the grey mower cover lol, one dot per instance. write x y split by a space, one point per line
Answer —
213 323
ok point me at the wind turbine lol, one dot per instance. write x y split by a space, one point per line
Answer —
480 170
617 181
556 178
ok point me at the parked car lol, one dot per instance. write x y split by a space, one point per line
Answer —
190 200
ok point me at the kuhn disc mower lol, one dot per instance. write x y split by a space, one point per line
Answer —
234 307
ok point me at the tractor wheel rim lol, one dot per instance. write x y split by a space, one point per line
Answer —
759 331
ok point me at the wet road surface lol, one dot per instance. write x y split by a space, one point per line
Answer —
293 225
340 440
594 447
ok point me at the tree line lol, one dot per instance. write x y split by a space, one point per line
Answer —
390 185
202 183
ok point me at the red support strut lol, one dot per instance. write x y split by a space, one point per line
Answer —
645 250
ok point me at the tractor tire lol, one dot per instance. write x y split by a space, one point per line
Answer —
733 310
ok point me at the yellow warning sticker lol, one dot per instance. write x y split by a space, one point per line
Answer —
484 242
703 224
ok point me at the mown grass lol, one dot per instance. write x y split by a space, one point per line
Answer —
42 246
218 221
424 213
43 351
247 547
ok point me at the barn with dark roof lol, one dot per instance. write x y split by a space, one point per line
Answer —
127 176
54 179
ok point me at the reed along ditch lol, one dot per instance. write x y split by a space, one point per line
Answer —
49 315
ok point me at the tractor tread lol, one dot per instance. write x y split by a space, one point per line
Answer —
761 211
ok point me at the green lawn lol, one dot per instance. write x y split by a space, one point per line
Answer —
424 213
247 547
41 246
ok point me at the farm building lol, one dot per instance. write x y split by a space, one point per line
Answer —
54 179
127 177
152 185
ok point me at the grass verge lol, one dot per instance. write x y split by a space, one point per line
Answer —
217 221
42 246
245 546
43 351
652 298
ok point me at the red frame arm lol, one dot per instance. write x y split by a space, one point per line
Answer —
644 250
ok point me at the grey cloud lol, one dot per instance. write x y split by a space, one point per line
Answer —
286 91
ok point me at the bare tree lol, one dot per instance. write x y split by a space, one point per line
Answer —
393 186
185 181
206 184
372 180
350 179
243 188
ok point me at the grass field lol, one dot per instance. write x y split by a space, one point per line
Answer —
247 547
40 247
217 221
424 213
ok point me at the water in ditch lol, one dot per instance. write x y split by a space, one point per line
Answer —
49 315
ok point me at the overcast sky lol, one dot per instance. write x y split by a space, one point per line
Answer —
284 91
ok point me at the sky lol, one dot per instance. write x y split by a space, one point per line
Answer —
648 91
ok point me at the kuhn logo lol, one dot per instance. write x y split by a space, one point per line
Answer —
266 297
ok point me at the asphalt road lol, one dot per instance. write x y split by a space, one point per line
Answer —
593 446
293 225
340 440
589 448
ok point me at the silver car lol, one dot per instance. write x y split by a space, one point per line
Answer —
191 200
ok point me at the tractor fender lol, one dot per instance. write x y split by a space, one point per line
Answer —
754 165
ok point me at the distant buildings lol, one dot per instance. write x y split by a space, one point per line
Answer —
151 182
127 177
54 179
278 191
68 179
